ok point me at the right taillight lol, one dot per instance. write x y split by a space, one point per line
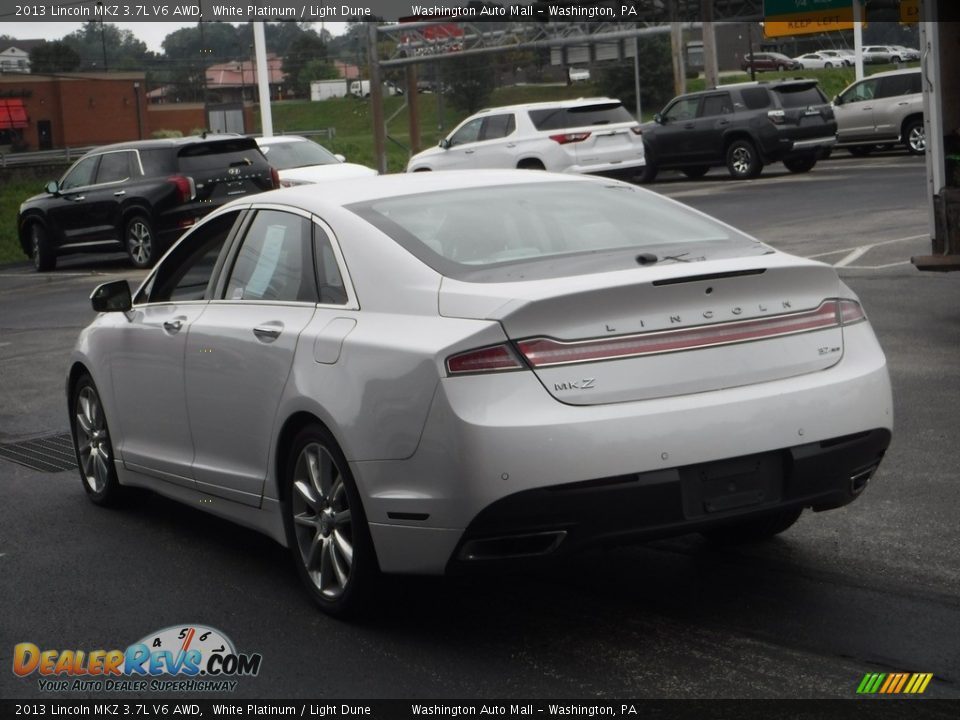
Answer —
777 117
185 187
493 358
567 138
851 312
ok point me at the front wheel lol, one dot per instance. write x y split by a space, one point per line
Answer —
743 161
91 442
140 241
326 527
801 163
755 529
915 137
41 251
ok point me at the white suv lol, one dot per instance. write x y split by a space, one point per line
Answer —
588 135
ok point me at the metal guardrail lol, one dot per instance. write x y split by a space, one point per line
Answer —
329 133
43 157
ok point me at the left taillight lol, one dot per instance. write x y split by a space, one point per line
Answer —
493 358
851 312
274 177
567 138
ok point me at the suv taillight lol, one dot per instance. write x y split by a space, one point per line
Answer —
186 190
274 177
566 138
777 117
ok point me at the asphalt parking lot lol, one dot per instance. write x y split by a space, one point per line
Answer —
871 587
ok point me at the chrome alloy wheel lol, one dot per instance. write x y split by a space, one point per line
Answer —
742 160
322 520
917 139
139 242
93 442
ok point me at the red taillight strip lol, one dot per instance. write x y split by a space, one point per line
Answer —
495 358
544 352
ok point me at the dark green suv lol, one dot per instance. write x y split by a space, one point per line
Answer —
743 126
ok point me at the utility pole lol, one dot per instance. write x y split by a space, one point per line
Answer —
711 73
376 101
858 38
676 50
413 108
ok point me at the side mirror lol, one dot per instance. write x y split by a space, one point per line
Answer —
112 297
837 100
53 187
444 144
340 157
659 119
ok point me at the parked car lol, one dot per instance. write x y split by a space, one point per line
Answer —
884 108
139 196
300 161
587 135
768 61
880 54
819 61
839 57
743 126
578 74
451 371
906 54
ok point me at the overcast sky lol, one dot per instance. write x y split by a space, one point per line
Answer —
151 33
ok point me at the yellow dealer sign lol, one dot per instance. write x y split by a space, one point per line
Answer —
805 17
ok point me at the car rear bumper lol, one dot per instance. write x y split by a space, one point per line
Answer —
491 443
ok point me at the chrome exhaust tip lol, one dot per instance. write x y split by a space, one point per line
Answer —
858 481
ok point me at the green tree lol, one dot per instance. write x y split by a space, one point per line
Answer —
470 81
94 40
317 70
306 49
656 76
54 57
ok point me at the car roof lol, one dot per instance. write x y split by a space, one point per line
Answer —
888 73
279 139
363 189
773 84
161 143
549 105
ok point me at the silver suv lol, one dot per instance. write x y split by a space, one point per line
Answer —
587 135
883 108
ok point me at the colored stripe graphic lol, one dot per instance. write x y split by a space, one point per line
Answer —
894 683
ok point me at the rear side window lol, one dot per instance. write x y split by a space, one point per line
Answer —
895 85
716 105
114 167
792 96
581 116
497 126
201 157
158 161
755 98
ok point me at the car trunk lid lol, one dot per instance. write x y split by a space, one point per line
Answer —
665 330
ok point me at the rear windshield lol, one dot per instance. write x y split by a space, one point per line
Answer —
795 96
581 116
538 226
204 156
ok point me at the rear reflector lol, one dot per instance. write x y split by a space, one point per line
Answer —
566 138
544 352
495 358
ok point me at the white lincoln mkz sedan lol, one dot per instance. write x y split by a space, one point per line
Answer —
433 372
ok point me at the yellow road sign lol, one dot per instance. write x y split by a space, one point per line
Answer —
807 23
909 11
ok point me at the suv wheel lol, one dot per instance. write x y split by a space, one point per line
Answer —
743 162
43 256
915 137
140 242
800 163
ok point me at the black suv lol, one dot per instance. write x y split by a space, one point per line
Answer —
139 196
744 127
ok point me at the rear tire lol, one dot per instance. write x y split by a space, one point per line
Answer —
743 160
41 250
695 172
755 529
649 173
140 241
327 529
92 445
801 163
915 137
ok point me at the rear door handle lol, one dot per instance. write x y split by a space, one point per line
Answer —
268 332
468 152
173 326
118 193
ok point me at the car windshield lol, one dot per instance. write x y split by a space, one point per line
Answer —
457 232
298 153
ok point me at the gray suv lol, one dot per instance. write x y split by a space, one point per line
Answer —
881 109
